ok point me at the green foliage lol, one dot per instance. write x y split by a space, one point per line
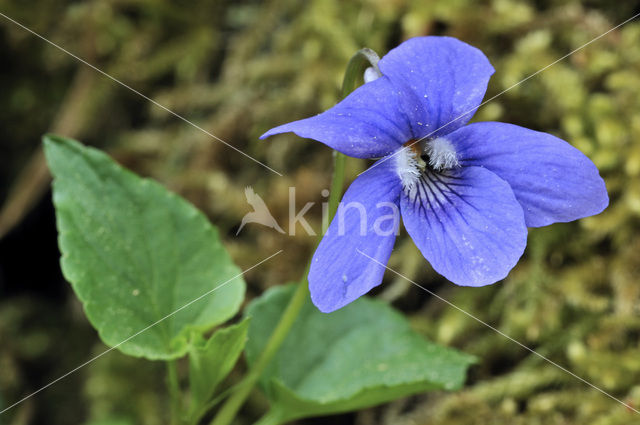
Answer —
358 356
137 255
210 361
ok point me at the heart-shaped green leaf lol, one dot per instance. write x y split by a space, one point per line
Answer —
210 361
138 255
361 355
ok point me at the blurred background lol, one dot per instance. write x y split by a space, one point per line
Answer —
238 68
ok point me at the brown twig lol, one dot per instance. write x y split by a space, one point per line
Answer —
33 180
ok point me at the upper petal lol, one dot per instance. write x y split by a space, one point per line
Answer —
369 123
552 180
366 223
467 223
448 79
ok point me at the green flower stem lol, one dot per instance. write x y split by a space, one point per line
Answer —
232 405
199 413
337 181
358 63
270 418
353 75
174 392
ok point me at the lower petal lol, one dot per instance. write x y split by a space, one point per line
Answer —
467 223
365 225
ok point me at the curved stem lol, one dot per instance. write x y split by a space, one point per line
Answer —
337 181
174 392
233 404
358 63
198 414
270 418
353 75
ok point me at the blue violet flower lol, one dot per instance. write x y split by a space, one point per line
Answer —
466 193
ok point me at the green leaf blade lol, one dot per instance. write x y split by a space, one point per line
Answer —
362 355
136 253
210 361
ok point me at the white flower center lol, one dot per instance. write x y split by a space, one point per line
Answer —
411 160
442 155
408 167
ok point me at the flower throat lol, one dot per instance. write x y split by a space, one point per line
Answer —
436 154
